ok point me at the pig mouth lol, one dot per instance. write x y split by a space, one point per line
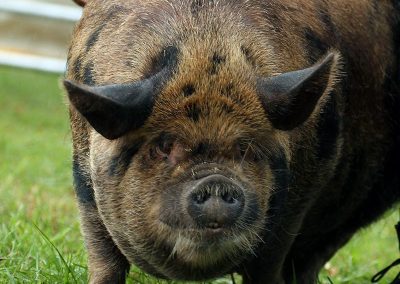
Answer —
201 240
205 248
203 254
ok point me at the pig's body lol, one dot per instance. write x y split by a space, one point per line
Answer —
305 181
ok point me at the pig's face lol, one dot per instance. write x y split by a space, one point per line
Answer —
187 194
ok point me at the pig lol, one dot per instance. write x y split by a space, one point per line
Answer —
232 136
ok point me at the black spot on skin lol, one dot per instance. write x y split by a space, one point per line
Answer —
83 184
228 90
76 67
193 112
167 58
328 128
88 74
216 61
94 37
247 53
198 5
280 170
203 148
276 21
327 22
316 46
121 162
188 90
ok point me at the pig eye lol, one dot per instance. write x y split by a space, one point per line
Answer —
163 147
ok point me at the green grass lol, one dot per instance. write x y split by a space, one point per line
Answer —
368 252
40 240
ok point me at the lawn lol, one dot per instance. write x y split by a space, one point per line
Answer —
40 240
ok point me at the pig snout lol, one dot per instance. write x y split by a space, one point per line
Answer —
215 202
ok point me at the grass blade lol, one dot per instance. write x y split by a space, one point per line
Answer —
58 252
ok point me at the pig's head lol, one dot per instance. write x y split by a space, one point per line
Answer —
189 158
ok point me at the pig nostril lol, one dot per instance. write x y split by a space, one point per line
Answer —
229 198
201 198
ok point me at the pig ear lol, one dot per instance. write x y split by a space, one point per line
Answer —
113 110
290 98
81 3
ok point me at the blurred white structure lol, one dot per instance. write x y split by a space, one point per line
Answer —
35 34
